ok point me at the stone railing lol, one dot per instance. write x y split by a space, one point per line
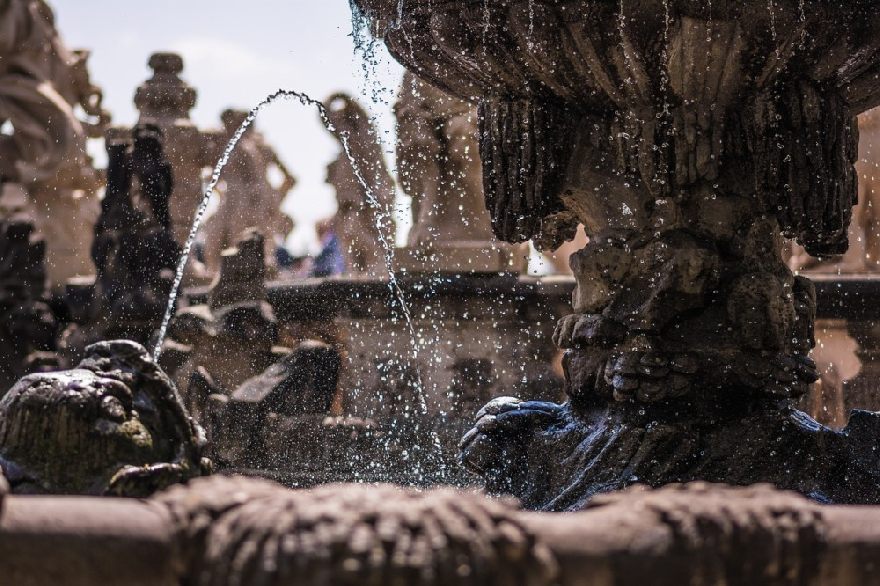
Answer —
232 531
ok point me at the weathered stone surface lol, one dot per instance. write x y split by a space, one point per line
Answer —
165 100
349 534
135 253
686 140
619 444
438 163
249 199
114 425
302 383
27 324
783 536
363 216
242 273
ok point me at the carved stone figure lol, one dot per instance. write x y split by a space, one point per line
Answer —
34 59
42 83
135 253
27 324
165 100
438 163
677 136
230 340
248 199
361 216
380 535
112 426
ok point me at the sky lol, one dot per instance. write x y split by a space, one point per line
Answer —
235 53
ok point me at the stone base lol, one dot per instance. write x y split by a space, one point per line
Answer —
460 257
557 458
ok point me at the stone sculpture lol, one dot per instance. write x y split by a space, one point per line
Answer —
135 253
249 199
359 221
439 168
231 338
42 83
675 134
226 528
165 100
112 426
27 324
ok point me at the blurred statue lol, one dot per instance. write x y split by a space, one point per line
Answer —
165 100
439 168
134 252
41 84
249 199
357 224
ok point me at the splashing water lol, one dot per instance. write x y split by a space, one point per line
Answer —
381 216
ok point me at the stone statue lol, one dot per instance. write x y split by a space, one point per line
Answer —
135 253
165 100
112 426
439 168
686 142
384 534
28 326
42 82
357 223
248 198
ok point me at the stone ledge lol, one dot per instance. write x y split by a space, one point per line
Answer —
697 533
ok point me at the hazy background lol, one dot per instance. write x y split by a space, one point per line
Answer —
235 53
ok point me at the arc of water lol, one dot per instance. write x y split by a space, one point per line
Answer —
381 215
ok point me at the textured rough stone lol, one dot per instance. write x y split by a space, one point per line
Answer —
686 140
363 214
249 199
616 445
165 100
114 425
27 324
237 532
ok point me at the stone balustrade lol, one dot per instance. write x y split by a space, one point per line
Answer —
223 530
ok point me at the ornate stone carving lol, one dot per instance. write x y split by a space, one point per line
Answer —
357 223
114 425
249 199
779 532
27 324
439 167
135 253
165 100
42 83
686 140
380 534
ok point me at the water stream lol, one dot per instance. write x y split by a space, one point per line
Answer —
381 215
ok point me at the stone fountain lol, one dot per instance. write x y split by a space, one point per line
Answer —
687 138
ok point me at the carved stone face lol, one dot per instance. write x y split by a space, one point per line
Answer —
114 425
